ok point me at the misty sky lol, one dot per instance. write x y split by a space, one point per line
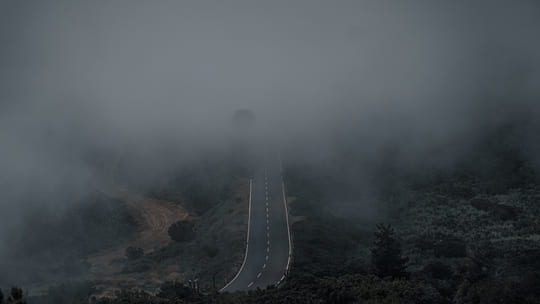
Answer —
157 81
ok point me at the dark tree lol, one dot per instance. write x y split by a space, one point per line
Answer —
386 254
1 297
16 296
182 231
174 290
134 253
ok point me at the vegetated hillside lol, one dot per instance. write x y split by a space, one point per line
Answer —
88 240
53 245
474 231
205 241
216 193
212 250
468 233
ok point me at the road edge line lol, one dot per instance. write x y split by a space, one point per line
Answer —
287 219
247 238
288 228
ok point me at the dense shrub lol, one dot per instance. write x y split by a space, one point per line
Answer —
505 290
301 288
438 270
139 265
133 253
182 231
386 254
450 247
16 296
501 212
210 251
174 290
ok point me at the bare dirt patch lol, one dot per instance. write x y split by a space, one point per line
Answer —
213 256
154 217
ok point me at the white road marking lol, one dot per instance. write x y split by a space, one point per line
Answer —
259 275
267 249
264 266
286 216
247 238
267 258
268 234
267 227
268 242
249 285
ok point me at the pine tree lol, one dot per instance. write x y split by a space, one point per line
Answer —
386 254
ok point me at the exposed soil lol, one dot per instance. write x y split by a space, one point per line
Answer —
215 254
154 218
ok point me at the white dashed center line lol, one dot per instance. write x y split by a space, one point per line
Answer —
249 285
259 275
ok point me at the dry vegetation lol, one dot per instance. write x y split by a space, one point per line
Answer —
216 249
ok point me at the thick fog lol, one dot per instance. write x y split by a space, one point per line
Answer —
154 84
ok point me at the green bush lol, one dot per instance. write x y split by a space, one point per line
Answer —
174 290
210 251
134 253
386 254
182 231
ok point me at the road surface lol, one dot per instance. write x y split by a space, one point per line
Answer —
268 247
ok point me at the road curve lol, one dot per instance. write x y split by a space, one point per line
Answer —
268 247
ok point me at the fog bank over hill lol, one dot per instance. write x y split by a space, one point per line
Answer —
153 86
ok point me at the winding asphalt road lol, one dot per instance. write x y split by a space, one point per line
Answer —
268 249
